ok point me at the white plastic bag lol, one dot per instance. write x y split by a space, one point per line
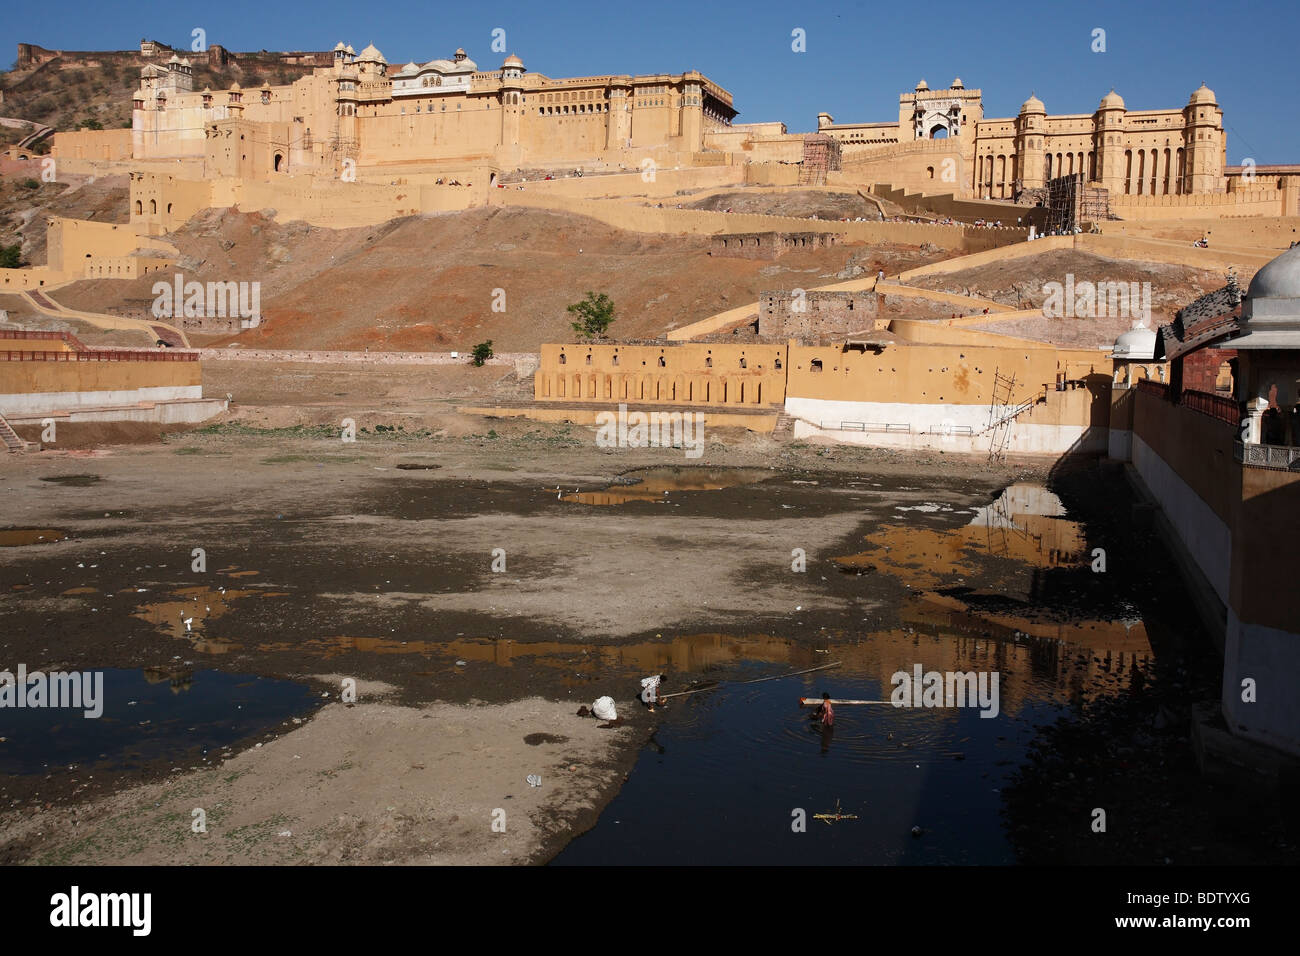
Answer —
603 708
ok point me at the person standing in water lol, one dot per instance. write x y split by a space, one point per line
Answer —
825 713
823 719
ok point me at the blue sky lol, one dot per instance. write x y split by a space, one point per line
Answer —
860 55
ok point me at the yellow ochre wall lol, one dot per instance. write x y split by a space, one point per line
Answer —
18 378
13 279
941 373
72 242
111 145
934 374
685 378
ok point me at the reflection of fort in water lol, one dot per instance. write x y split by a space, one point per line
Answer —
1027 522
1027 525
1026 529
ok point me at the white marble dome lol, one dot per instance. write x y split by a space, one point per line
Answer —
1137 344
1280 279
1270 313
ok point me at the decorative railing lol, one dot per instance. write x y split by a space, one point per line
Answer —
1152 387
1216 406
1284 457
34 336
96 355
889 427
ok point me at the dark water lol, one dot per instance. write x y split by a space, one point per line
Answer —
726 770
1008 589
147 717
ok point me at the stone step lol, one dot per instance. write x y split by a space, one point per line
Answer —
10 437
784 429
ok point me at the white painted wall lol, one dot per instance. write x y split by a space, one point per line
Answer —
1026 437
1205 536
1121 444
25 404
1272 658
922 418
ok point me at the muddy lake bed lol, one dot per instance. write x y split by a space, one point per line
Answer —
229 587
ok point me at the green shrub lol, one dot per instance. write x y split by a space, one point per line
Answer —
594 314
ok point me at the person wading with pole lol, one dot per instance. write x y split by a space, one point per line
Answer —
824 720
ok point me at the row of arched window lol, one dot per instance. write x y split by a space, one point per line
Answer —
634 387
1151 172
662 361
573 96
153 207
991 175
573 110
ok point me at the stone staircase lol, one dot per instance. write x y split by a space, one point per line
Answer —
784 429
10 437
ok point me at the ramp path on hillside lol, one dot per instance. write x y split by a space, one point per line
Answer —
41 301
1246 260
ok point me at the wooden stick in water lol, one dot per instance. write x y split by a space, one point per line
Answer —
823 667
683 693
814 701
758 680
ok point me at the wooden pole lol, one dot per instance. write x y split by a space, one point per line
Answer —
814 701
757 680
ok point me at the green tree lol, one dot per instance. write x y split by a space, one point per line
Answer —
594 314
11 257
482 352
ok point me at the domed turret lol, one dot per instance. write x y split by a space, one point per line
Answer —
1280 279
1112 101
957 84
1203 95
922 87
1270 313
512 62
1033 105
1138 344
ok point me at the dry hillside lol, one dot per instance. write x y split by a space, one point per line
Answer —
68 96
26 201
1020 283
428 283
804 203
